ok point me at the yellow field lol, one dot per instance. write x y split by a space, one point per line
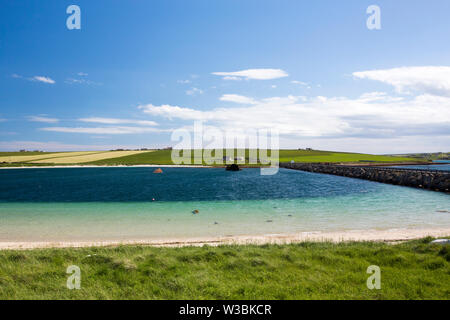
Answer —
45 156
88 157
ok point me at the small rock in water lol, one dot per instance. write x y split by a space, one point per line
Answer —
269 221
443 211
289 215
216 223
441 241
195 212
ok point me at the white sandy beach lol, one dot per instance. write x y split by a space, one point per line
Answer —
390 236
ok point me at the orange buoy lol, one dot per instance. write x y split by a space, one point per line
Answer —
158 171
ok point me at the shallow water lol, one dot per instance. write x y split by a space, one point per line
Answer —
441 165
76 204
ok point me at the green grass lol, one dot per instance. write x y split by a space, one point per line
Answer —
164 157
430 156
413 270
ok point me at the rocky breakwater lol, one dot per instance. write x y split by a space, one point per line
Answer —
425 179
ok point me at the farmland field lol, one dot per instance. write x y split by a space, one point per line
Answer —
75 159
16 157
163 157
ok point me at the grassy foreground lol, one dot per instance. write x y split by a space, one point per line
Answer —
413 270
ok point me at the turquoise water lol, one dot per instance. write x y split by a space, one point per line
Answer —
116 204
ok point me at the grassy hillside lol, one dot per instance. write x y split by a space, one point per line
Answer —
59 158
413 270
429 156
164 157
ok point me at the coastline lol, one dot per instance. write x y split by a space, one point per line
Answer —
389 236
115 166
351 164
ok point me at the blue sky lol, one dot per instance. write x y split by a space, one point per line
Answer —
137 70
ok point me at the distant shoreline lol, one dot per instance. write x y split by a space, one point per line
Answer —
385 164
114 166
389 236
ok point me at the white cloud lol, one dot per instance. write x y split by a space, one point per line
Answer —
42 119
35 78
184 81
104 130
369 116
118 121
170 112
237 99
81 81
194 91
301 83
43 79
433 80
253 74
82 74
58 146
232 78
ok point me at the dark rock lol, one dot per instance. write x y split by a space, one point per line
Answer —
431 180
233 167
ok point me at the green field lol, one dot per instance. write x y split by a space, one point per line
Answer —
163 157
412 270
429 156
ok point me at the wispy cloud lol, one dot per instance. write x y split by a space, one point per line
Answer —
184 81
43 79
170 112
433 80
194 92
301 83
118 121
81 81
104 130
82 74
42 119
35 78
253 74
58 146
237 99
